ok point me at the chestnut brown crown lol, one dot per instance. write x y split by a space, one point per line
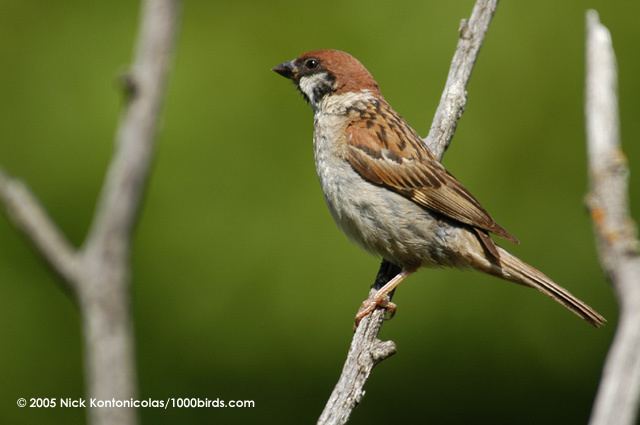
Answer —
321 72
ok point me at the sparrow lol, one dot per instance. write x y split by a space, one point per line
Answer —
387 191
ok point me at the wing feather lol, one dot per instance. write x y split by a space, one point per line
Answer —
384 150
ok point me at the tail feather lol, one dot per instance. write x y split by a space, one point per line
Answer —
515 270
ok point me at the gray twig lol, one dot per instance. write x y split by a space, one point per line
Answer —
98 274
365 352
454 95
28 215
366 349
618 247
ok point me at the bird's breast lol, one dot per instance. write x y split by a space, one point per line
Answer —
381 221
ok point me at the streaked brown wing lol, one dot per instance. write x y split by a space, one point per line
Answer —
387 152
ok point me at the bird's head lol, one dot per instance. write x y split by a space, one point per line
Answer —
321 73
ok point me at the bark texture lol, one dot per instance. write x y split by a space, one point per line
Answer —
618 247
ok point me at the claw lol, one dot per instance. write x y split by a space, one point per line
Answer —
369 305
381 298
390 310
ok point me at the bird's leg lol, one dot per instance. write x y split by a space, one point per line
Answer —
380 298
387 271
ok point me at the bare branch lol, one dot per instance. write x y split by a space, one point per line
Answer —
454 96
349 390
618 248
110 359
28 215
144 87
366 350
99 274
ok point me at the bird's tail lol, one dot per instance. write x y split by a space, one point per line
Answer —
513 269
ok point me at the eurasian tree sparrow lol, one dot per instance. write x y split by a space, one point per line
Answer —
387 191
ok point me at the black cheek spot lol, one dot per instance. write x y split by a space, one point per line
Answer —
321 91
331 78
369 124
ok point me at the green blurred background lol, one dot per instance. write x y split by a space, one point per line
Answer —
243 286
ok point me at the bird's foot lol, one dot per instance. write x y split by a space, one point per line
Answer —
370 304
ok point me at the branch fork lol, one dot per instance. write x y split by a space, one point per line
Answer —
97 274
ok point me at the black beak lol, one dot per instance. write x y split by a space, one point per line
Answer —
285 69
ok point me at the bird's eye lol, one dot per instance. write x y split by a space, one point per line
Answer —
311 63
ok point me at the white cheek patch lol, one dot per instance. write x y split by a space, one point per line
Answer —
310 82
